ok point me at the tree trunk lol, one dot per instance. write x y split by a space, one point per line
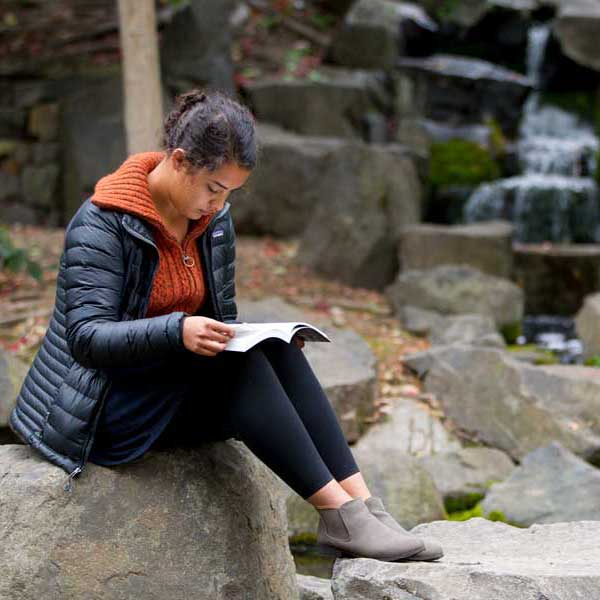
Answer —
141 75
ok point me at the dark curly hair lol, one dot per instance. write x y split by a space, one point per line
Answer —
212 128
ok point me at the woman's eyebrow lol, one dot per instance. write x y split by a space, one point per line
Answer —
224 187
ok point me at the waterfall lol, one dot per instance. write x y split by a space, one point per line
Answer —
555 198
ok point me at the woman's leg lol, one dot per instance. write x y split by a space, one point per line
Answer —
262 416
312 405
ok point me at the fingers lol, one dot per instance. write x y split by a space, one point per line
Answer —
220 331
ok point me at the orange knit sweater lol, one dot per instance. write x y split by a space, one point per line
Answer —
176 286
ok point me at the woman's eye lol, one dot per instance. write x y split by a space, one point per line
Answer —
211 190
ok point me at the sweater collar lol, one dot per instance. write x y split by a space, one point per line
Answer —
126 189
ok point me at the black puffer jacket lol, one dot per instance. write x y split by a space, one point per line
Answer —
103 288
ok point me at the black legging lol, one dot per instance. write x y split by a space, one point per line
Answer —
269 398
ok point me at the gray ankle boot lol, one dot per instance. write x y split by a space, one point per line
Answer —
433 549
351 530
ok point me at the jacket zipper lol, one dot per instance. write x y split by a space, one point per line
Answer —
68 486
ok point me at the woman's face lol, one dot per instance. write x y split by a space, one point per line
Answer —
200 192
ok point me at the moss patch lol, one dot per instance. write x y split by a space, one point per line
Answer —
511 332
463 503
477 511
461 162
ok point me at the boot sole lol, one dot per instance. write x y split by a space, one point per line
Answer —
337 552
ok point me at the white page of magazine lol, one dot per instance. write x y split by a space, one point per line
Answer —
249 334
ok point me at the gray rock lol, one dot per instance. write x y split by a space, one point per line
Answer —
514 406
458 289
334 104
345 368
187 523
44 121
484 560
12 375
587 325
370 35
551 484
576 27
267 206
40 184
475 330
421 362
196 47
9 186
409 428
314 588
556 278
467 470
406 488
484 245
463 90
105 133
419 321
370 194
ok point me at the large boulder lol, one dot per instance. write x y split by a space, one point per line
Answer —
340 102
484 560
463 90
576 27
484 245
199 522
196 46
371 192
476 330
556 278
345 367
461 473
370 36
512 405
104 133
12 375
551 484
458 289
267 206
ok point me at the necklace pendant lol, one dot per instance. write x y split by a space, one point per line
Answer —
188 260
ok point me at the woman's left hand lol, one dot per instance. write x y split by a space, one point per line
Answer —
299 341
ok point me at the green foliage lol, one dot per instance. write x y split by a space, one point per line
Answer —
445 8
511 332
477 511
16 259
593 361
461 162
459 504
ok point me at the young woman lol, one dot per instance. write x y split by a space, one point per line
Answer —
133 358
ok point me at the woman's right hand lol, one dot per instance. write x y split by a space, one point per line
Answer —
205 336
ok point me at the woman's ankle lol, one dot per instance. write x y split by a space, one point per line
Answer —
331 495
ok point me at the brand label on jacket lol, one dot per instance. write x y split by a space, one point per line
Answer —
218 233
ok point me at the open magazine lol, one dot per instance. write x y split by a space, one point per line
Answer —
250 334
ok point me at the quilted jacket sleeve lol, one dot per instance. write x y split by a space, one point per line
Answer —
94 274
229 304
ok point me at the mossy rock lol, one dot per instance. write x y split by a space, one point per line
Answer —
544 356
461 162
